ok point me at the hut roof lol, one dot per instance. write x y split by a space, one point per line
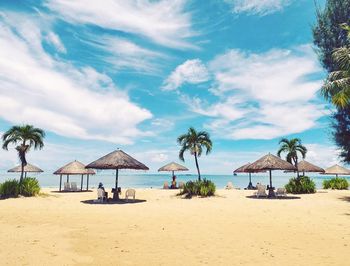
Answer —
74 168
336 170
117 160
270 162
173 167
304 166
29 168
244 169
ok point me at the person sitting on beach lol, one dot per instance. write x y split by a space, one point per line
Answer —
173 183
100 186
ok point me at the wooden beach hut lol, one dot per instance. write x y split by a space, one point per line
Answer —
117 160
75 168
269 163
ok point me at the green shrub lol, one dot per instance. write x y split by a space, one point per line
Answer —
301 185
204 188
9 188
30 187
336 183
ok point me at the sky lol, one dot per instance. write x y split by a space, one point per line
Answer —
134 75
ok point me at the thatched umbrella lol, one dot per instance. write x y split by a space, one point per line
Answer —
75 168
336 170
172 167
29 168
270 162
306 167
117 160
244 169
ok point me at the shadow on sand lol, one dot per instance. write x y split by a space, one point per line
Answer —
113 202
64 191
275 198
345 198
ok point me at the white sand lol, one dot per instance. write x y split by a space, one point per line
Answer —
165 230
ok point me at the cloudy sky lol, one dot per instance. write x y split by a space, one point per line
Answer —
101 75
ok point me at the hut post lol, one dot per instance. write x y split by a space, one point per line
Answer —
67 178
116 193
25 174
87 182
271 192
81 185
250 185
60 182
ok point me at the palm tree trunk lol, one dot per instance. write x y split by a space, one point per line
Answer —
199 173
22 172
296 165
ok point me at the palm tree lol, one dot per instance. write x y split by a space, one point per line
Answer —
24 137
194 142
292 147
337 85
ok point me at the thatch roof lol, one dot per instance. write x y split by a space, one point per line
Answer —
305 166
244 169
74 168
336 170
29 168
270 162
117 160
173 167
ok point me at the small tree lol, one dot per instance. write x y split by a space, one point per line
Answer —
291 148
328 35
194 142
24 137
337 85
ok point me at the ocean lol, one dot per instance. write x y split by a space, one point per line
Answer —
134 179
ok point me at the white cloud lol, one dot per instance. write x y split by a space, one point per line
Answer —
36 88
192 71
262 96
124 54
258 7
322 155
53 39
165 22
159 158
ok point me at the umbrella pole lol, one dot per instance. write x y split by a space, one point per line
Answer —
116 194
60 182
25 174
271 190
87 183
81 185
250 185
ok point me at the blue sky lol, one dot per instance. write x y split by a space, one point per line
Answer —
101 75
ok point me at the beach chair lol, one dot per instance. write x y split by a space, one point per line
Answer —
101 196
73 186
66 186
166 185
281 192
261 191
229 185
181 185
130 193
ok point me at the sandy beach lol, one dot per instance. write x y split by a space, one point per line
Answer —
230 229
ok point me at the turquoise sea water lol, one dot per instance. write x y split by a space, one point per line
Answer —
143 180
